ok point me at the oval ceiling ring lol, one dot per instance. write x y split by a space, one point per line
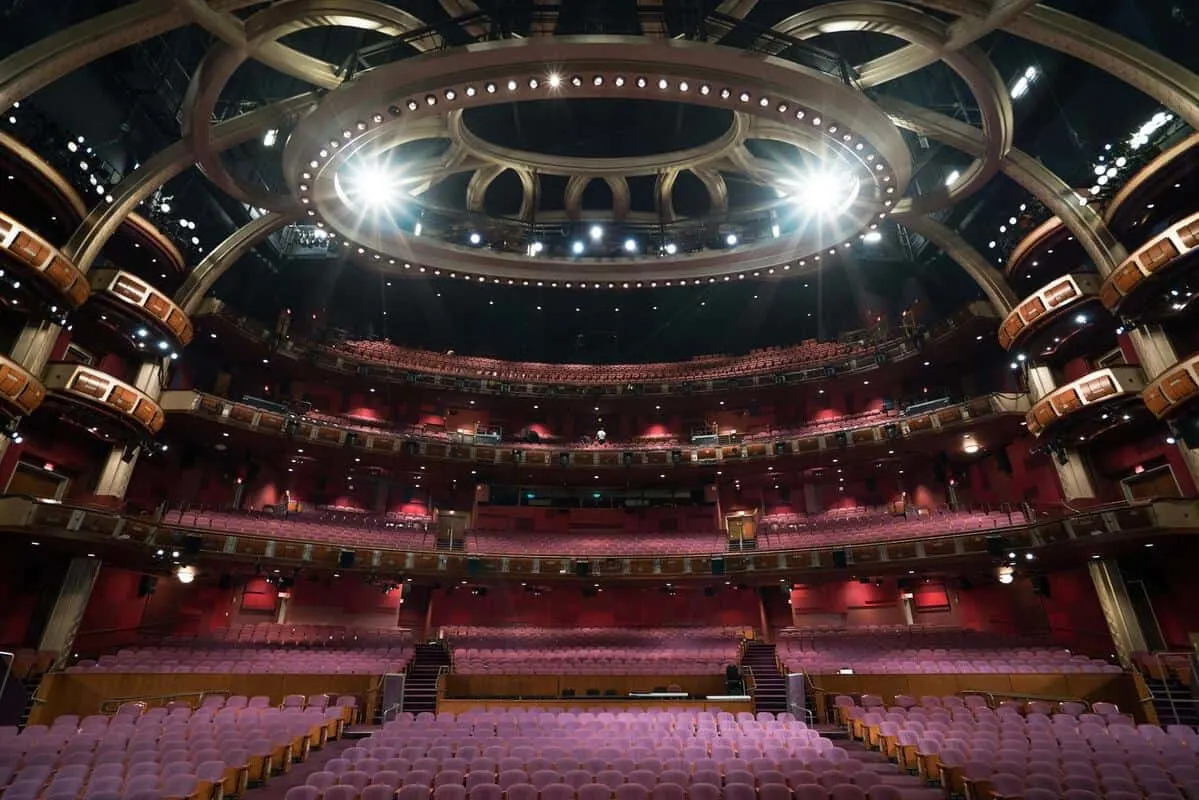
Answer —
970 63
547 164
353 119
260 30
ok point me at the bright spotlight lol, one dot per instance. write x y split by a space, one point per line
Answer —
555 80
535 248
374 186
825 192
1005 575
873 237
952 178
731 239
577 248
270 137
630 246
671 248
596 233
185 574
475 238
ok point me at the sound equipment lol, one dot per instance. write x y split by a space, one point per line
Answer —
1040 585
226 581
996 545
191 545
1003 462
830 371
891 431
904 584
146 585
130 452
965 584
627 457
676 457
841 438
840 559
880 358
1188 430
411 448
473 566
361 370
871 484
345 559
290 427
564 459
352 439
780 448
582 568
709 591
505 388
718 565
517 456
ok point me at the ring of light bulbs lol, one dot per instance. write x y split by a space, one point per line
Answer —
366 118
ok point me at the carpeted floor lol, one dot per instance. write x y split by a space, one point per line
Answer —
277 786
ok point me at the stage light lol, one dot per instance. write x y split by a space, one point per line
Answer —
375 186
596 233
873 237
952 178
731 239
270 137
1005 575
825 192
577 248
475 238
555 80
185 574
630 246
671 248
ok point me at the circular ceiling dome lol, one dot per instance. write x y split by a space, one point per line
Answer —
598 127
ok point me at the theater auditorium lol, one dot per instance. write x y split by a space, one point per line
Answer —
599 400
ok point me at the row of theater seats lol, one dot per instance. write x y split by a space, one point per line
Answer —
354 532
169 752
572 755
804 354
302 635
883 527
596 651
900 650
583 544
1035 750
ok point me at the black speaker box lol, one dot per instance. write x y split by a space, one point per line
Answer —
1003 462
191 545
1040 585
996 545
147 585
473 567
411 448
718 566
345 559
780 448
627 457
564 459
840 559
582 568
676 457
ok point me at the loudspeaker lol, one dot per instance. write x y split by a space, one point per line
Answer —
345 559
1003 462
939 471
842 438
891 431
472 567
226 581
191 545
996 545
965 584
780 448
709 591
840 559
627 457
718 566
564 459
676 457
517 456
830 371
147 585
779 380
880 358
904 584
1040 585
871 484
352 439
1188 430
130 452
411 448
582 568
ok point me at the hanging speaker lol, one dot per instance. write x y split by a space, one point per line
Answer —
840 559
996 545
191 545
627 458
718 565
676 457
564 459
582 568
345 559
473 567
146 585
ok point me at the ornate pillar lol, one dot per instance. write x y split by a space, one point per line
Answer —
1071 468
73 597
118 468
1117 608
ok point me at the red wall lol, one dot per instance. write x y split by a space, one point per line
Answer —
343 601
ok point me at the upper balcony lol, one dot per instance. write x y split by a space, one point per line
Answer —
20 392
1058 320
954 339
1083 409
1175 389
1047 251
103 405
1154 281
139 314
1161 190
43 273
935 429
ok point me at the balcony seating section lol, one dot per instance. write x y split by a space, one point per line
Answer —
165 752
902 650
1034 750
335 528
592 651
858 526
267 648
521 530
622 544
702 368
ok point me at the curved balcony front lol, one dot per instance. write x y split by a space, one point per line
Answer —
1054 318
43 269
20 392
1156 190
1174 390
1162 261
1089 405
136 304
104 405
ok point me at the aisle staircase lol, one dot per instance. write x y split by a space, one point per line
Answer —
1173 701
420 687
770 692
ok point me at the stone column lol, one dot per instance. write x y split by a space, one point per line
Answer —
1117 608
73 597
114 478
1073 475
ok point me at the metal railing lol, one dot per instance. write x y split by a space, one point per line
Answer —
10 662
1188 698
991 697
194 699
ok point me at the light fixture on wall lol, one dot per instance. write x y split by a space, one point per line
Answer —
185 574
1005 575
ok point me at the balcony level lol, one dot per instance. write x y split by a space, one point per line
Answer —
101 404
1175 390
39 268
133 308
20 392
932 429
1059 319
1088 406
1155 281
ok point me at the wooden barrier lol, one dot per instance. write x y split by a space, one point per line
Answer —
1118 688
613 705
533 686
82 693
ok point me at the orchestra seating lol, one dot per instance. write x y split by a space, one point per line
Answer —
267 648
904 650
805 354
592 651
1036 750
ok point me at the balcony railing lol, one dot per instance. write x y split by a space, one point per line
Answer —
1174 388
101 391
18 388
144 301
1098 388
25 250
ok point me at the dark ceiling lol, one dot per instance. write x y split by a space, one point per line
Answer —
128 105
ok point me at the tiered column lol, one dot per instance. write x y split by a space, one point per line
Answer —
73 597
1118 610
1072 474
118 468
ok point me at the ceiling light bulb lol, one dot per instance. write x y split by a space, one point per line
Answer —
596 233
577 248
